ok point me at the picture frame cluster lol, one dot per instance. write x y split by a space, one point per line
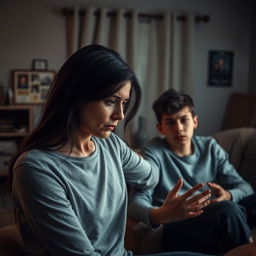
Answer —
31 86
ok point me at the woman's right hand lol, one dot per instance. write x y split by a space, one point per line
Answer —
179 207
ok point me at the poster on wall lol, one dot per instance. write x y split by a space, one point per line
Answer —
31 87
220 68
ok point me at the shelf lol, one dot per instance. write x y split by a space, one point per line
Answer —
14 117
13 134
16 122
15 107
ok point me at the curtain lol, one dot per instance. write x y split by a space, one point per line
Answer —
166 49
97 26
160 51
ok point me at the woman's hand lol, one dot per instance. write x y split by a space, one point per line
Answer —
179 207
221 193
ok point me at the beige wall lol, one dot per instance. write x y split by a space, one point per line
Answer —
29 30
35 29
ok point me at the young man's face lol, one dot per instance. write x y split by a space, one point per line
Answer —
178 128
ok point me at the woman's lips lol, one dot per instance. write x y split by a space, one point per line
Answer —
110 127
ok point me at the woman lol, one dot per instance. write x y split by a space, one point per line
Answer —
69 178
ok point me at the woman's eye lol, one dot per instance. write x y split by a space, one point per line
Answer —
110 102
114 102
125 103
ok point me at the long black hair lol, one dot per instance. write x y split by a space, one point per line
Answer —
92 73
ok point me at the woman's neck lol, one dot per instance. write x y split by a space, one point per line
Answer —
82 147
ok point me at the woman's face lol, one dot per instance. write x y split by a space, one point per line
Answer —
100 118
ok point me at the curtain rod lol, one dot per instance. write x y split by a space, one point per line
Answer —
198 18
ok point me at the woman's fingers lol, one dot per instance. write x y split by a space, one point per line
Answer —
176 188
195 214
190 192
200 198
197 203
198 206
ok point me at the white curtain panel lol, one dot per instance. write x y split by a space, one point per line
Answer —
155 65
182 52
165 60
89 26
72 28
160 51
116 32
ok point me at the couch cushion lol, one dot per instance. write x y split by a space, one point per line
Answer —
240 144
248 165
10 241
235 142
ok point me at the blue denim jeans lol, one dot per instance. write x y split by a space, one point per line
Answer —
249 203
222 227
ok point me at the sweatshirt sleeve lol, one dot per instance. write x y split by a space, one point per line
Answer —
229 178
48 213
137 171
140 200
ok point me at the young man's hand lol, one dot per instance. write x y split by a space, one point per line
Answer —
221 193
179 207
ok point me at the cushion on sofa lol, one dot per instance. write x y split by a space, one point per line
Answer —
240 144
248 166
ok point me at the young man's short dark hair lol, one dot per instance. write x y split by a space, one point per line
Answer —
171 102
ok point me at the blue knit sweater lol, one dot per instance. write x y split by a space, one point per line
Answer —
77 205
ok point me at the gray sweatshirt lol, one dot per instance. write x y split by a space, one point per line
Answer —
77 205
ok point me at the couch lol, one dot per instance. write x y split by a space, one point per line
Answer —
10 241
240 144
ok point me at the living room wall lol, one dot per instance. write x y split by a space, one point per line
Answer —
32 29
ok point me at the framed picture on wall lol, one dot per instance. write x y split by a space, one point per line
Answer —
31 87
39 64
220 68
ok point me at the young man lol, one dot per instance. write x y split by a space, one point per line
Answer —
180 154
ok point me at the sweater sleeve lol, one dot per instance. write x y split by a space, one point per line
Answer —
137 171
48 212
229 178
140 200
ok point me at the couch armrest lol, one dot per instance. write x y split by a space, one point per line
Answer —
10 241
141 239
240 144
243 250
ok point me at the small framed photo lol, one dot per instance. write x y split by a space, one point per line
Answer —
30 86
39 64
220 68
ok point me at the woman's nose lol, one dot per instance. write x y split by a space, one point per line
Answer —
118 112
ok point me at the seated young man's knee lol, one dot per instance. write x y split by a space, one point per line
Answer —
228 207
